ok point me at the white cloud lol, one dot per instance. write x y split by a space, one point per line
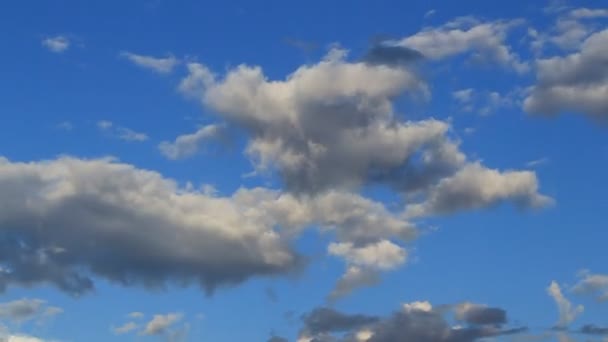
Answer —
161 323
585 13
331 125
423 306
136 315
161 65
24 338
463 95
188 144
467 35
567 313
56 44
383 254
125 328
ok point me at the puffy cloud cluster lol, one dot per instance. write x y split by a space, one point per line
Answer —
577 82
66 219
331 127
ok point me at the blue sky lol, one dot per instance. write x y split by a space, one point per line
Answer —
312 171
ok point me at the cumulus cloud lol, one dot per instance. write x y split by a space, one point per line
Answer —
576 82
486 41
327 125
188 145
567 312
161 65
415 322
121 132
331 125
592 284
135 227
56 44
26 309
476 186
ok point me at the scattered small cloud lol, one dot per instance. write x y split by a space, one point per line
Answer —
125 328
65 126
136 315
121 132
27 309
56 44
430 13
161 65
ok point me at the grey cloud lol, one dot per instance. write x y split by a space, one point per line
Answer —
475 187
55 227
26 309
591 329
328 320
480 314
577 82
354 278
391 54
331 125
415 323
277 339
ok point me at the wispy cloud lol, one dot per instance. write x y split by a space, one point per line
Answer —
567 312
120 132
161 65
